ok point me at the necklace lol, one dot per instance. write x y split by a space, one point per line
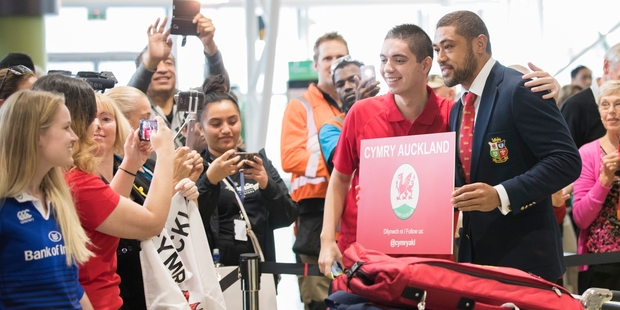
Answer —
613 147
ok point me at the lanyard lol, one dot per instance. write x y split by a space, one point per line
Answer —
241 191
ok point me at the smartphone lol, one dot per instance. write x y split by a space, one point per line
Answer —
146 129
246 156
336 270
368 73
183 13
190 101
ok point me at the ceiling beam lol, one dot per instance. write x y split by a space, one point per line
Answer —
159 3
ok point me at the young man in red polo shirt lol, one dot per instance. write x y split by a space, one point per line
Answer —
410 107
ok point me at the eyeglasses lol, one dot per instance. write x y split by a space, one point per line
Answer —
605 106
346 59
16 70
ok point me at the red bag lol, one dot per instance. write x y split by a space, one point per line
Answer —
441 284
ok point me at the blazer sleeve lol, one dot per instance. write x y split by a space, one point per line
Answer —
590 194
556 160
283 211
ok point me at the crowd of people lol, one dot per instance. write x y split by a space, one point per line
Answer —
87 189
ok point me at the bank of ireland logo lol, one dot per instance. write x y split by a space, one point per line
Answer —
404 191
54 236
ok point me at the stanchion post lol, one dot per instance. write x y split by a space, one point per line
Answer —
249 272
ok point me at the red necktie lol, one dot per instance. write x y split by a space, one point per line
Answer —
466 136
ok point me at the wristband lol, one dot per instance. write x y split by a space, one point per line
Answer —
133 174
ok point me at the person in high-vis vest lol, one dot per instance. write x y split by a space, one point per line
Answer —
301 156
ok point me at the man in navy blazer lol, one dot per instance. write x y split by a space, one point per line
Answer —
522 153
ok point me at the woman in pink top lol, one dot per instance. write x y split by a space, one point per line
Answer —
595 208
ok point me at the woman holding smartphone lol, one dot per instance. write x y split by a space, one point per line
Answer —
105 215
41 238
110 132
223 187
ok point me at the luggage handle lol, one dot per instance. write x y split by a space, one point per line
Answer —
351 272
595 298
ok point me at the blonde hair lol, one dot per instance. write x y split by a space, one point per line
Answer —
107 104
33 112
80 100
609 88
125 98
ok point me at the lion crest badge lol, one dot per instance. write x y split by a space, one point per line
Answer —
499 151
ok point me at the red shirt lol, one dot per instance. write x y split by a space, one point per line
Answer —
379 117
94 201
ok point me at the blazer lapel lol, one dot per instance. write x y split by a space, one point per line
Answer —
487 104
455 114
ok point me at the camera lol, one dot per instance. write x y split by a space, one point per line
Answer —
98 81
190 101
146 129
183 13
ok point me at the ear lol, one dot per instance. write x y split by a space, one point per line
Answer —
427 63
451 93
606 67
480 44
1 102
315 65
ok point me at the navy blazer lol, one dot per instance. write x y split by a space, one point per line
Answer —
521 141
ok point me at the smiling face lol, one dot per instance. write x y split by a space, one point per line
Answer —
610 114
57 141
455 57
105 131
221 126
328 51
164 80
400 68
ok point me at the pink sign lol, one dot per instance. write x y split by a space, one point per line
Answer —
405 188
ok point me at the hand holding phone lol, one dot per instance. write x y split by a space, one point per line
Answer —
183 13
368 73
246 156
146 128
336 270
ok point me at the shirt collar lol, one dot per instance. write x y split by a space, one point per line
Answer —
477 86
23 197
426 117
329 99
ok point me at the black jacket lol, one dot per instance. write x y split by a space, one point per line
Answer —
267 209
582 117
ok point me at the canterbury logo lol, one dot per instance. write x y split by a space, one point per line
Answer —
24 216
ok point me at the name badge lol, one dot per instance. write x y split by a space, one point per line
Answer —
240 231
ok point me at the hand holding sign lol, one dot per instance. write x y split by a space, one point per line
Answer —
475 197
